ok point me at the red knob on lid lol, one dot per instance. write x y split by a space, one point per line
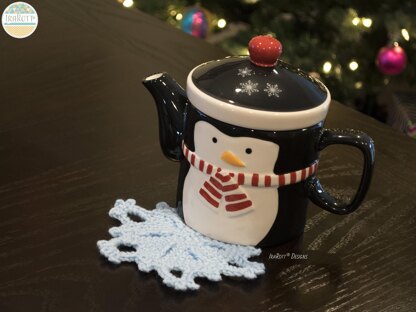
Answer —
264 50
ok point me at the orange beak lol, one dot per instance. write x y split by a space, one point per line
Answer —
232 159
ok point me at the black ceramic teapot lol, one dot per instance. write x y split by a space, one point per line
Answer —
248 132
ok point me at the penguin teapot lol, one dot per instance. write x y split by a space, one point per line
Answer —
247 133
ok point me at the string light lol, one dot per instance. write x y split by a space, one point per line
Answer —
358 85
128 3
338 70
353 65
221 23
327 67
179 16
367 22
405 34
355 21
243 51
173 13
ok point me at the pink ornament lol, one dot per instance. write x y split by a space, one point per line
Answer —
411 130
391 60
196 22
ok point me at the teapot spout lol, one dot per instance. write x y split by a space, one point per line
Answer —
171 101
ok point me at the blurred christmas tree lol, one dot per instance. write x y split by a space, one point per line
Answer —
338 41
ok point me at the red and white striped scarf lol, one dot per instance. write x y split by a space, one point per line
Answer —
225 183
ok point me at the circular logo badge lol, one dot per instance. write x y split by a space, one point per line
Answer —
19 20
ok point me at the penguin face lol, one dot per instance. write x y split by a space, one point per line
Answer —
240 154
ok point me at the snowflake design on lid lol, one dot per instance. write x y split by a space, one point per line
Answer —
249 87
244 72
272 90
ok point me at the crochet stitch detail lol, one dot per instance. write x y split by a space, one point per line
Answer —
162 242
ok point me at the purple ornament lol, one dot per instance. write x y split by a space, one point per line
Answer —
391 60
195 22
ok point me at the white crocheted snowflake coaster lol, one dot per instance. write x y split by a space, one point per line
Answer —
162 242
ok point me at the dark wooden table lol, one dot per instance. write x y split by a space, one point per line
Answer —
78 131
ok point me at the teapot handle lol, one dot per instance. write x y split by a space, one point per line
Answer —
354 138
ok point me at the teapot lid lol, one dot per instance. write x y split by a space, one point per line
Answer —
259 91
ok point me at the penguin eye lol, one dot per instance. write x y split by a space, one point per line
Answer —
248 150
214 139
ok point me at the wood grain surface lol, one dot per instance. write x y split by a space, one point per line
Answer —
78 131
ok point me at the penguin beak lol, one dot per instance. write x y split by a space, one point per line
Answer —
232 159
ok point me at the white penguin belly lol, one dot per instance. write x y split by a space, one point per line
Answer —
246 227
